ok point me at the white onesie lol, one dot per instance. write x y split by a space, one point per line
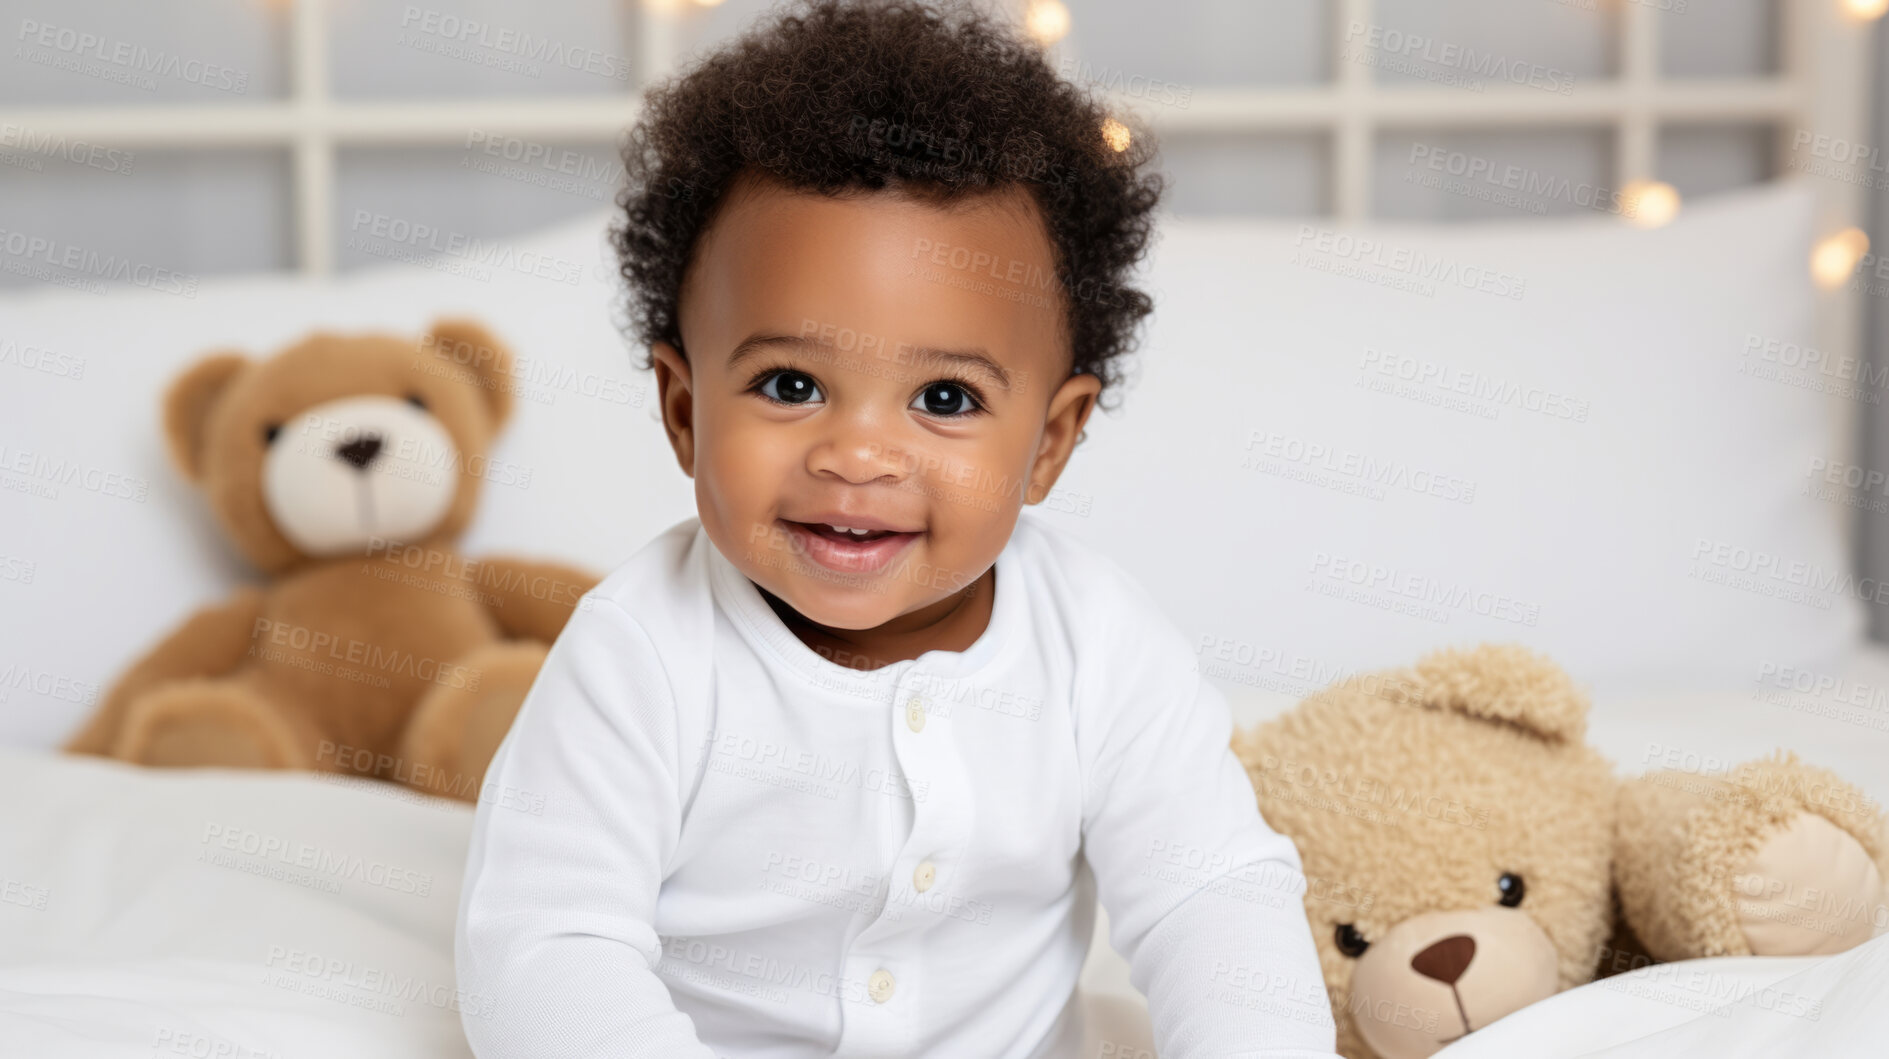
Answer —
725 843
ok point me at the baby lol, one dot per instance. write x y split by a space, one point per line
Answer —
842 765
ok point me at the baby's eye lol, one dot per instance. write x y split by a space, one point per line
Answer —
789 387
945 399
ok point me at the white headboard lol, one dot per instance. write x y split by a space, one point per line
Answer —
1822 87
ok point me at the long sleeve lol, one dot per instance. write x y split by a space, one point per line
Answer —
1204 899
555 948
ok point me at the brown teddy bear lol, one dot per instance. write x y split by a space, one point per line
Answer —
343 468
1466 853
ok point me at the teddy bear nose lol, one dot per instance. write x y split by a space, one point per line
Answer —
1445 960
360 452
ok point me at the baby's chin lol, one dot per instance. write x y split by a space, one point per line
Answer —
866 604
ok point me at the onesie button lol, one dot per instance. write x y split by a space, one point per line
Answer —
915 714
921 879
879 986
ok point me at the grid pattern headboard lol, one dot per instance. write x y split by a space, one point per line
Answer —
1820 88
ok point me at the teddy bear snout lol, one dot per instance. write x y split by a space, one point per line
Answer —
1438 976
346 472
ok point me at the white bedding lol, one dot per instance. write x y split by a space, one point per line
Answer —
150 913
143 934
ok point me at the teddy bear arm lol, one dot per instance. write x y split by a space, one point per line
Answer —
1781 859
532 600
209 643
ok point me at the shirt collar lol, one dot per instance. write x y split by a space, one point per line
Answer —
758 623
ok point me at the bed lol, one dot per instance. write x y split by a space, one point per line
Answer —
1625 419
251 915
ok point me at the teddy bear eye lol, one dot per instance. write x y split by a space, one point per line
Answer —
417 401
1512 889
269 432
1350 942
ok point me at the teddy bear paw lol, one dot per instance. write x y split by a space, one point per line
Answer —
1810 890
202 723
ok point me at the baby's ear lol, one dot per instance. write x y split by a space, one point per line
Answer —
1507 683
187 405
469 345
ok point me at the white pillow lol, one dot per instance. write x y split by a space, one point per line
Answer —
1304 483
1728 1007
1587 528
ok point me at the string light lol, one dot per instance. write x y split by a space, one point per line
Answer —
1115 134
1047 21
1834 258
1650 203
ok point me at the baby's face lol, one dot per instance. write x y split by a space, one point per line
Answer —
869 363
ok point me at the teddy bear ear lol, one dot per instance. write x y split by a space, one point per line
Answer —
470 346
1507 683
187 407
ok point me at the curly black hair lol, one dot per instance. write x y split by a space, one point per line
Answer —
934 102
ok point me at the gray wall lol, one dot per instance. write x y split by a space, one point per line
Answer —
205 212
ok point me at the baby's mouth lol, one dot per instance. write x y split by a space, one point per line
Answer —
849 549
844 533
